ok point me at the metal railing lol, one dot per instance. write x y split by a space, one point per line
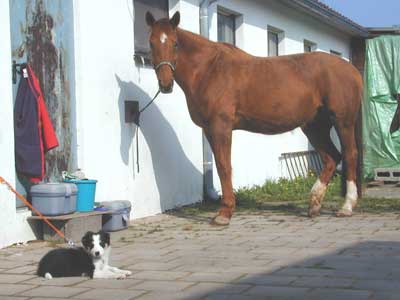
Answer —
300 163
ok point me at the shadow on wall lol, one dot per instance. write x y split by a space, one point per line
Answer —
178 180
367 270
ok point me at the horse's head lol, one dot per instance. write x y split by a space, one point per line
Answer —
164 49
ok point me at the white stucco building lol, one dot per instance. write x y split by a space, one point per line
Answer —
94 44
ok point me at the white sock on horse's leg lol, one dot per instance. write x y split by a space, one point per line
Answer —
351 196
318 191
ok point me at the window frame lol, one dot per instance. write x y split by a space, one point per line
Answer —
227 14
142 55
276 46
310 44
280 36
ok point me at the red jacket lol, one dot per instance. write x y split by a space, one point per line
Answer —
34 132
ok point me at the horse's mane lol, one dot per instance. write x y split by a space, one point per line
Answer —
217 45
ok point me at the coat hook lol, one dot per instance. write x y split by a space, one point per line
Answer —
15 71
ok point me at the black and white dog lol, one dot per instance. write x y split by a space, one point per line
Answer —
90 260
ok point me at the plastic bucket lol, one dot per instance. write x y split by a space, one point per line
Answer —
86 194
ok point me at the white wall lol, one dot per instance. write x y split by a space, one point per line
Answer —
13 227
256 157
106 76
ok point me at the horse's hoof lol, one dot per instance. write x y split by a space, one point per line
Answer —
314 210
220 221
344 213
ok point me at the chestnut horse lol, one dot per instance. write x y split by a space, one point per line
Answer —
228 89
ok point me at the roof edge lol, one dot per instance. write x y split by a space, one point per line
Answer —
328 16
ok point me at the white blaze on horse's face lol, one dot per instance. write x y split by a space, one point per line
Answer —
164 45
163 38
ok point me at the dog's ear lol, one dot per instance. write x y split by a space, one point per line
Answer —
87 239
105 236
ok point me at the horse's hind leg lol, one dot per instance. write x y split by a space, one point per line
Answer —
349 148
318 133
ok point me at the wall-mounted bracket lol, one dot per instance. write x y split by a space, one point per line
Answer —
132 112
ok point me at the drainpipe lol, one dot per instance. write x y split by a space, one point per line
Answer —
209 191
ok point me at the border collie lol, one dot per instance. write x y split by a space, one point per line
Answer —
90 260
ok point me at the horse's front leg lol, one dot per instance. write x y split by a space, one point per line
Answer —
220 137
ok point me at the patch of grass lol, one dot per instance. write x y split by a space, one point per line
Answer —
291 196
294 193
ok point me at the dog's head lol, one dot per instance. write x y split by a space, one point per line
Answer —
96 243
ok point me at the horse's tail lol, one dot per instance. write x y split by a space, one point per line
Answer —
359 142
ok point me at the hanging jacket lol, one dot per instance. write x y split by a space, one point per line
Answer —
34 133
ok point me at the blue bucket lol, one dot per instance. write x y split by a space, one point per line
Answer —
86 194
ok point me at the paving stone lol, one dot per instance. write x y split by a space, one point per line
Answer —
292 271
159 275
109 283
64 281
7 289
334 294
29 269
14 278
52 291
323 282
154 266
235 297
213 277
13 298
107 294
252 270
385 296
278 291
13 263
378 285
167 286
41 298
170 296
217 288
267 280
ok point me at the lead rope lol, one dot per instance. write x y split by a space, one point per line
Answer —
22 198
137 121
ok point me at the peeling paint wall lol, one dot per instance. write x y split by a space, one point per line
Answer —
13 225
42 35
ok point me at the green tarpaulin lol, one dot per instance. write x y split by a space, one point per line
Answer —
381 84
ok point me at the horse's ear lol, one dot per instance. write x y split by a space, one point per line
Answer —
150 19
175 19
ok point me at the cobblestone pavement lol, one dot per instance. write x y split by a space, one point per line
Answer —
259 256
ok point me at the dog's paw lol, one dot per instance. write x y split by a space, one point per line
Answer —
127 273
121 276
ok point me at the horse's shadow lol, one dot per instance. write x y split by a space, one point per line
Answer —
176 177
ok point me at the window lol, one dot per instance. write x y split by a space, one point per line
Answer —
226 27
159 9
273 42
336 53
275 38
309 46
